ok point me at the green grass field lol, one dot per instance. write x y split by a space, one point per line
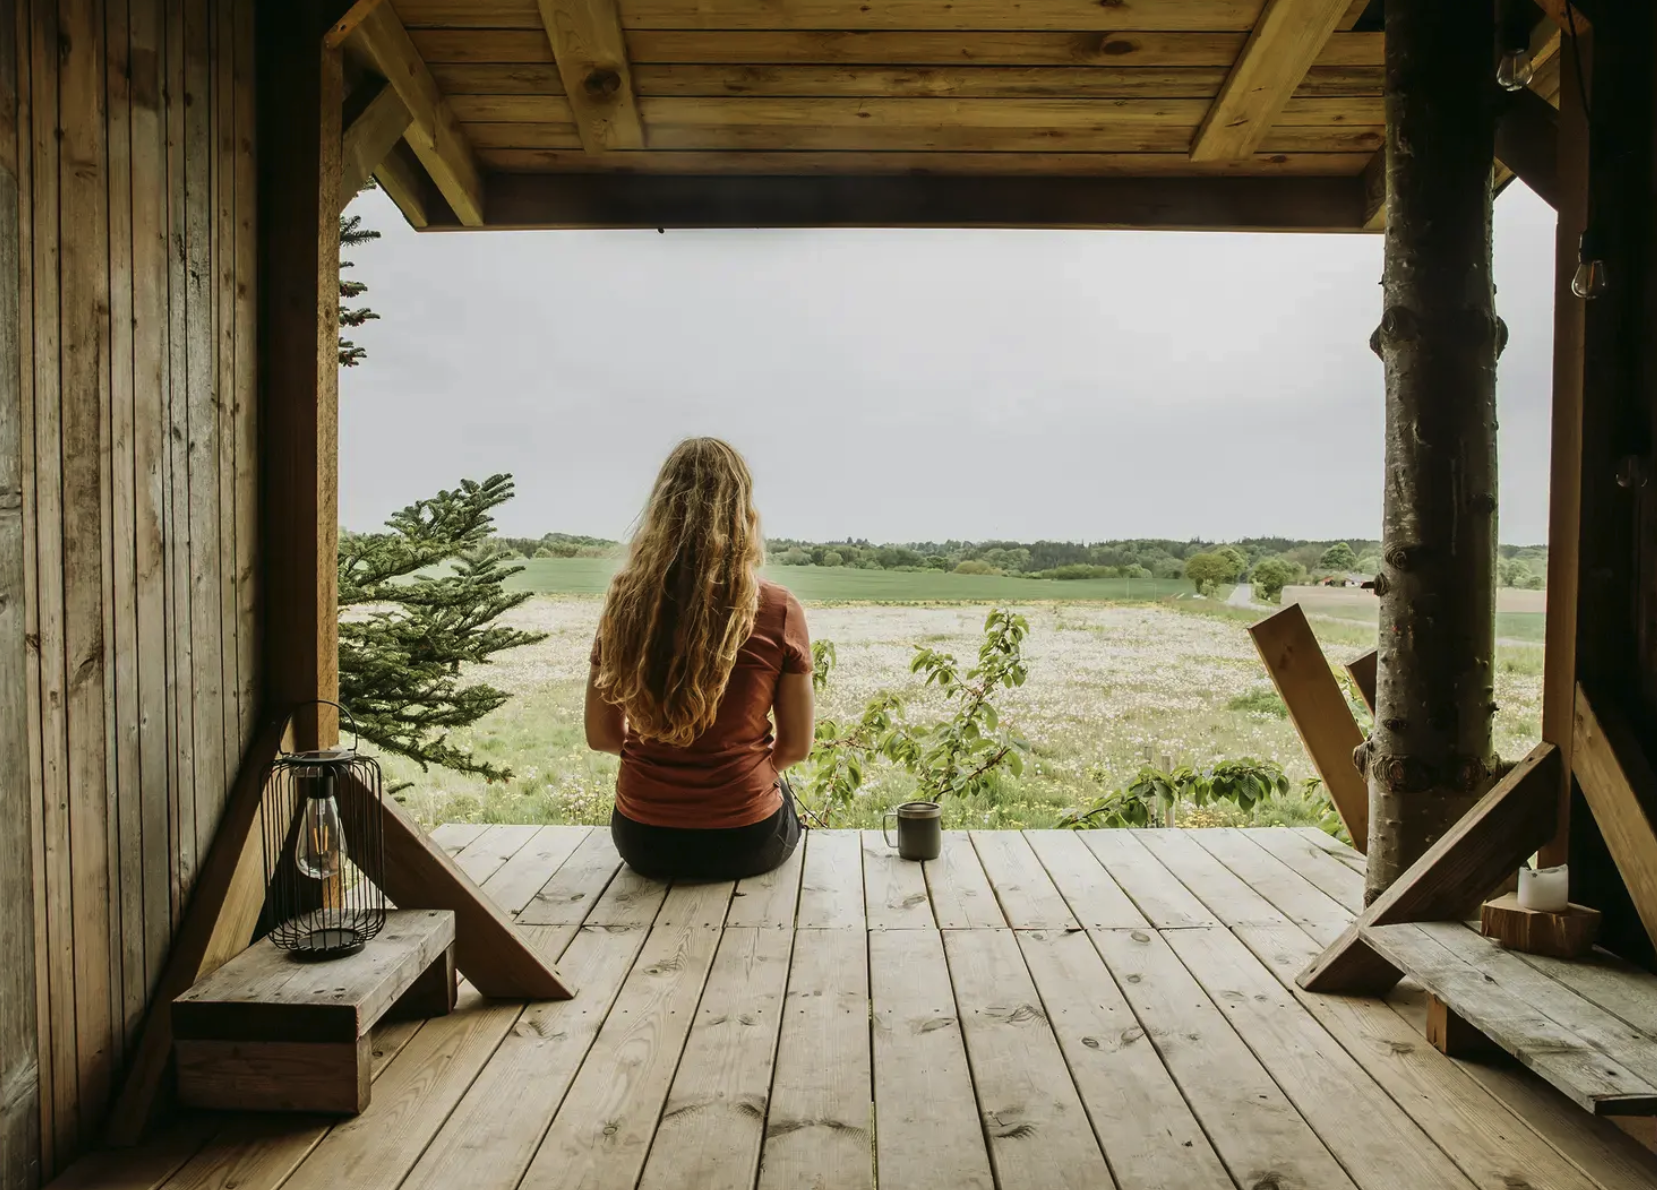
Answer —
819 584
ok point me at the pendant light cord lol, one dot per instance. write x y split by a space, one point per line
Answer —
1576 58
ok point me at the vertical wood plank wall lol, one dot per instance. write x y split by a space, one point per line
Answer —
128 610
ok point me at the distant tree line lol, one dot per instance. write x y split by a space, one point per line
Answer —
1270 563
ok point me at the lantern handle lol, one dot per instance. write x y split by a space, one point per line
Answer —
356 733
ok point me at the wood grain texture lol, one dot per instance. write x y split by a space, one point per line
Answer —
927 1130
591 56
769 900
515 882
1157 892
20 1052
821 1112
484 856
570 893
714 1120
1290 893
417 874
1491 840
1368 1133
1527 142
372 29
602 1133
961 894
1319 712
1142 1122
1093 897
1209 880
1567 935
1490 1146
527 45
1620 786
1039 1135
1284 42
286 1076
831 891
1588 1076
965 14
1253 1127
491 1137
1028 898
1318 867
894 888
368 138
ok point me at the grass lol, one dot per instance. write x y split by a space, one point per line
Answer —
836 584
1111 685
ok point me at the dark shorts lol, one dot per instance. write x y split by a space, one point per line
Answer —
680 853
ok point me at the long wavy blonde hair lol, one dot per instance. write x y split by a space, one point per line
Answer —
684 604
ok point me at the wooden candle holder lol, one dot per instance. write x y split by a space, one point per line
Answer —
1567 935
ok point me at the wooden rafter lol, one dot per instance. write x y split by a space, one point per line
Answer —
372 134
1461 868
1319 712
1527 142
623 200
1286 40
1620 786
372 31
591 53
1375 193
405 183
1362 670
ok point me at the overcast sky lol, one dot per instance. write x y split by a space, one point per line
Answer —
904 385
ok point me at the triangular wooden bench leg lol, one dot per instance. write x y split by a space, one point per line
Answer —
1507 825
490 952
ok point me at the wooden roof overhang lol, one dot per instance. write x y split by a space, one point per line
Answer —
1169 114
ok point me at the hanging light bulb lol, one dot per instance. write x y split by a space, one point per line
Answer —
321 850
1516 69
1590 280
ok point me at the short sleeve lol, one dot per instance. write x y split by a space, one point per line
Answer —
796 638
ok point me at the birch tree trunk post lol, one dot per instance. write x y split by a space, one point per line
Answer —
1432 754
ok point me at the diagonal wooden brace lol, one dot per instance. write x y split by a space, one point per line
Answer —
1620 787
1319 712
1507 825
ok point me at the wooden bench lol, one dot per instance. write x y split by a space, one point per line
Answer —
270 1032
1588 1026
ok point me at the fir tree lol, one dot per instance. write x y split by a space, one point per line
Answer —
352 234
406 628
405 633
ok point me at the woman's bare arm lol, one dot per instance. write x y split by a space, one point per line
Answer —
606 725
796 718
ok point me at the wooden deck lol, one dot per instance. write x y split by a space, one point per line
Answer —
1037 1010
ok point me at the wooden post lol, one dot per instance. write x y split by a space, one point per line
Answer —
1431 753
300 97
1565 472
1614 649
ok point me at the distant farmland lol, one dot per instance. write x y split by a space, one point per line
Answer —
838 584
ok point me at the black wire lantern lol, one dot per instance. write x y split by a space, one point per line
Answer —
322 829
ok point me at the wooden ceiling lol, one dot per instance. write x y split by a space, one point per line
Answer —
1157 113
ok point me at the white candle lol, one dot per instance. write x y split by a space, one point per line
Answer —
1545 890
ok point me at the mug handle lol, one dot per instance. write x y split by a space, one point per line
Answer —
884 834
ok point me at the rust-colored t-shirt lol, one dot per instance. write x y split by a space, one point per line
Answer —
725 778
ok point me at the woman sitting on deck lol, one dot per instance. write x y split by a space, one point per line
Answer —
695 653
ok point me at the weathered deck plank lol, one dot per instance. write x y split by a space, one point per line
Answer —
1142 1121
927 1130
1027 894
483 856
1087 888
818 1130
1256 1130
714 1120
961 895
1039 1136
601 1135
717 1043
831 890
894 887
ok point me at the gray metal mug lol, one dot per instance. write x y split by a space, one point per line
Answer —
920 830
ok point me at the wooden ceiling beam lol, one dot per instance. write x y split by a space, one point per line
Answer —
405 183
372 31
1286 40
614 200
368 138
591 54
1527 143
